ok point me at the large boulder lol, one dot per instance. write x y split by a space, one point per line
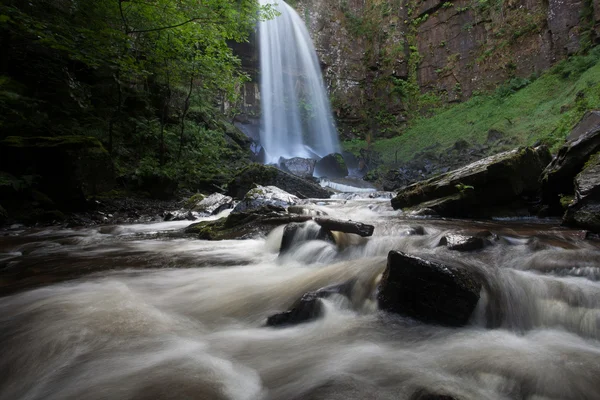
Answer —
66 168
257 174
213 204
263 198
302 167
582 143
584 211
331 166
492 186
428 290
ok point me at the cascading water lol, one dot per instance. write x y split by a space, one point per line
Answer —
296 116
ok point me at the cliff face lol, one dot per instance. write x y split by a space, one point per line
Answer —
385 61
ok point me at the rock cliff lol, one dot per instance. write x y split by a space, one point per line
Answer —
385 61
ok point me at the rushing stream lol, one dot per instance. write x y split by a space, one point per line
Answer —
160 316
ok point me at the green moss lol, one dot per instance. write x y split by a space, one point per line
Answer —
566 201
593 161
195 199
543 111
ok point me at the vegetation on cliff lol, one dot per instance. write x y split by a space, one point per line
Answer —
521 112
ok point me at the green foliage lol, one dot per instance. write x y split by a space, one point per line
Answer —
528 111
146 78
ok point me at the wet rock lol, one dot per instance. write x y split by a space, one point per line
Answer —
296 233
257 174
309 307
331 166
265 198
428 290
179 216
194 200
584 210
459 242
415 231
214 204
302 167
558 177
480 188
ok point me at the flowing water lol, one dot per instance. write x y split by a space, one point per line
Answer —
296 116
154 315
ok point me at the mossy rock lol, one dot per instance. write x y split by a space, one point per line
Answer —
192 201
264 175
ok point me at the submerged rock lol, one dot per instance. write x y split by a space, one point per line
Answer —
479 189
309 307
257 174
458 242
331 166
428 290
296 233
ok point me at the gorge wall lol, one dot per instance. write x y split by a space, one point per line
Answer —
385 61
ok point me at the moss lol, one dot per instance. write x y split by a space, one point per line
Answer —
593 161
566 201
192 201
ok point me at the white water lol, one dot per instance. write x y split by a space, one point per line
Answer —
195 330
296 116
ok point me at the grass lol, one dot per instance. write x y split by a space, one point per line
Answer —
543 110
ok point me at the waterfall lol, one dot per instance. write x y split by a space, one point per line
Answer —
296 116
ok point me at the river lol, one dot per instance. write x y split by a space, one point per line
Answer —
141 312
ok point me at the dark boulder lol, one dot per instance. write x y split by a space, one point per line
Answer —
257 174
428 290
558 177
296 233
584 211
302 167
309 307
331 166
480 189
459 242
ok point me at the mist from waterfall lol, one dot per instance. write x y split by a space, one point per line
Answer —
296 116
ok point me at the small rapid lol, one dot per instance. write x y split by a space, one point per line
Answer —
143 312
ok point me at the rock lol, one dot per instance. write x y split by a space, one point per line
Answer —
584 210
331 166
428 290
213 204
459 242
257 174
296 233
179 216
265 198
557 178
302 167
309 307
478 189
158 185
194 200
3 215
